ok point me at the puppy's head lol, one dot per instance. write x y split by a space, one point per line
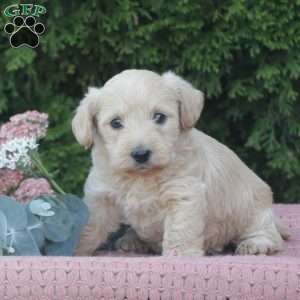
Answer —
138 115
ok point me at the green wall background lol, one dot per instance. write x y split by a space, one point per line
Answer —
245 56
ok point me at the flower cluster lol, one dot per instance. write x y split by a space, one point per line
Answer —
32 188
22 173
9 180
29 124
15 153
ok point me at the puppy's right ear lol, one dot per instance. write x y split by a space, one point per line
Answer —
82 123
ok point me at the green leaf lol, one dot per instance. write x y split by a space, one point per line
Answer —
15 213
19 58
3 230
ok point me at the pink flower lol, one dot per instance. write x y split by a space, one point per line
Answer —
9 180
28 124
31 188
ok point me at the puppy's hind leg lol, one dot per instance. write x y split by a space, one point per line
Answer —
104 219
262 237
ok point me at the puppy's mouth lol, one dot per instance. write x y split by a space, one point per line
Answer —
144 169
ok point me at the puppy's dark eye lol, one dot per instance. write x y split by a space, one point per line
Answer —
116 123
159 118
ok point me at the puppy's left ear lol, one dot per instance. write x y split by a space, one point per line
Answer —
191 100
82 123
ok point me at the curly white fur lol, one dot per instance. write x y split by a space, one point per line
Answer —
195 195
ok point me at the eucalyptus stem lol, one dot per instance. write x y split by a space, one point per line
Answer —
39 164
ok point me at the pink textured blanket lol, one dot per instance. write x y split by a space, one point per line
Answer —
221 278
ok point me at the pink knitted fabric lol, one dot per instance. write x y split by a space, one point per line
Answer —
208 278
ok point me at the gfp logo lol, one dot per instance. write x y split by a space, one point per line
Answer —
24 30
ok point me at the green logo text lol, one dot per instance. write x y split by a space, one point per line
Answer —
24 10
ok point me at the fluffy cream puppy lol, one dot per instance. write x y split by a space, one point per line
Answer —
179 189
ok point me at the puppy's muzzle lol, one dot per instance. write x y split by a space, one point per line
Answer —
141 155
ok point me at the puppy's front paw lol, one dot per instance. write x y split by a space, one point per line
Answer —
257 245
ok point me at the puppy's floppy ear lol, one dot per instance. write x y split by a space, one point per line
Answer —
191 100
82 123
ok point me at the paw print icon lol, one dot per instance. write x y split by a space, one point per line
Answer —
24 32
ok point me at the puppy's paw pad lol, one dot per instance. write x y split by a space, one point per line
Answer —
256 246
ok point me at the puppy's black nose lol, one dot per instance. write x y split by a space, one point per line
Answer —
141 155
